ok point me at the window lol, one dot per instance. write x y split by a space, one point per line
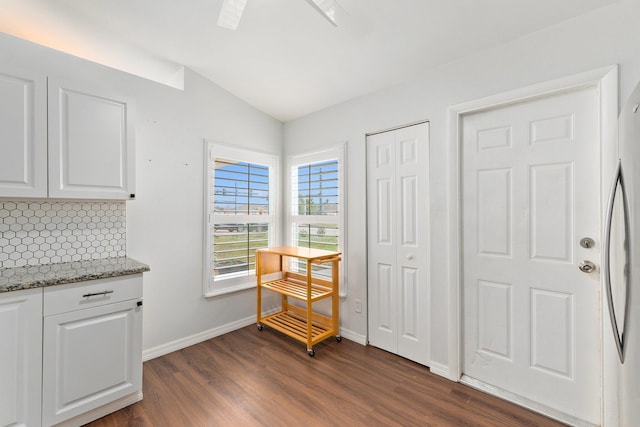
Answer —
317 208
239 218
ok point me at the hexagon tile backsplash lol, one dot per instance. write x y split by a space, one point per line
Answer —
44 232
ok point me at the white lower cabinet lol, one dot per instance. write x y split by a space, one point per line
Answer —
92 349
20 357
23 141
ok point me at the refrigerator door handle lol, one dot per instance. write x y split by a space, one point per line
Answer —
617 180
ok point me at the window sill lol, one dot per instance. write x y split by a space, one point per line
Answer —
230 289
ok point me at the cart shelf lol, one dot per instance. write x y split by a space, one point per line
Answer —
295 326
298 290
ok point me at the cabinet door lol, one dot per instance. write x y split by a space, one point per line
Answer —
91 143
23 134
20 357
91 358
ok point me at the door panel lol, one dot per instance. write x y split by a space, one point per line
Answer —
409 213
494 212
552 212
21 357
384 226
494 319
552 311
23 121
409 310
531 317
397 182
91 358
91 137
384 296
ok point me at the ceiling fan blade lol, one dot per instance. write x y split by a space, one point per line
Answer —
230 13
327 8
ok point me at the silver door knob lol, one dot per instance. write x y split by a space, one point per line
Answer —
587 267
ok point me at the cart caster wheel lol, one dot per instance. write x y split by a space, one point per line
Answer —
311 352
260 326
338 338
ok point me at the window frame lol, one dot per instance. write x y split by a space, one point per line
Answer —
213 286
338 152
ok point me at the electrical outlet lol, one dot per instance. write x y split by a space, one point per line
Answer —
357 305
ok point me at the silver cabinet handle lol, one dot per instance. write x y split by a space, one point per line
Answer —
95 294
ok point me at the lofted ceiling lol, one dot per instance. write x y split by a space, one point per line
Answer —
284 59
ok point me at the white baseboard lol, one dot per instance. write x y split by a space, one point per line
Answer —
179 344
439 369
524 402
353 336
100 412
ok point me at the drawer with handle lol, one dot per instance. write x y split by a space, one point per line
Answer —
93 293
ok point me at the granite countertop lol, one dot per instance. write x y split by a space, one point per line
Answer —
38 276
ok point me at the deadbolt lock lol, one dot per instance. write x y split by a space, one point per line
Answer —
587 242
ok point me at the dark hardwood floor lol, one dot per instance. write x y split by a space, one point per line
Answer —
252 378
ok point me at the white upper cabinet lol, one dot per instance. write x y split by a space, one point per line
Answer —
61 139
90 143
23 137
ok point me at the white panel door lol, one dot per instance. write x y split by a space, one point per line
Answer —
23 134
397 217
91 137
530 193
91 358
20 357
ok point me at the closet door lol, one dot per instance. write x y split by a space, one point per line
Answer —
398 256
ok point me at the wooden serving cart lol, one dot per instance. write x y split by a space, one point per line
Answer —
300 323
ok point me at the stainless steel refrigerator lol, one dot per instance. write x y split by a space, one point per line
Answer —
621 268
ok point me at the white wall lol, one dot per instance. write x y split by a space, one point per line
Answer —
604 37
164 223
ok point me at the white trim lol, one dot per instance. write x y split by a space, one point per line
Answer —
353 336
609 156
394 128
250 284
439 369
185 342
605 79
103 410
524 402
